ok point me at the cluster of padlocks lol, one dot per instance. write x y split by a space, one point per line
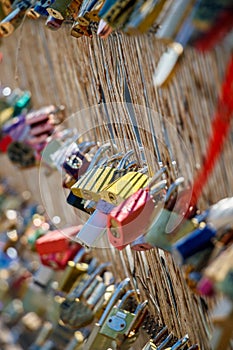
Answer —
24 134
200 23
85 307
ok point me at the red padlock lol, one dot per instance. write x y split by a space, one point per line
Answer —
56 241
59 260
130 219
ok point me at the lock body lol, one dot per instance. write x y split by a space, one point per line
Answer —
124 187
94 231
130 219
56 241
90 185
194 242
118 322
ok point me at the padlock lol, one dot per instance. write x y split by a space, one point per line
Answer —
32 14
56 241
78 31
73 270
96 340
120 322
104 29
124 187
21 154
220 214
158 233
43 276
116 12
80 312
53 23
132 217
143 16
194 242
94 180
93 232
75 201
77 312
58 260
89 12
76 164
170 23
11 22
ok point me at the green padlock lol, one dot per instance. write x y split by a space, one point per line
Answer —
165 229
96 339
121 322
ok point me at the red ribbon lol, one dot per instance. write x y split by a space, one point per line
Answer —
220 129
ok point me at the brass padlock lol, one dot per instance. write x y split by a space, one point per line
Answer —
124 187
93 181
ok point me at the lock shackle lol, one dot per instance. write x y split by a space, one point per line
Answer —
131 165
118 292
113 159
97 272
86 146
126 296
92 265
166 341
98 155
143 170
139 316
97 293
156 177
173 187
78 257
161 185
123 161
180 343
159 335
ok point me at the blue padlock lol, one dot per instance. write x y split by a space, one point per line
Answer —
194 242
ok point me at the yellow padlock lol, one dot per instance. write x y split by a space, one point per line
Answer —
124 187
89 185
95 180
